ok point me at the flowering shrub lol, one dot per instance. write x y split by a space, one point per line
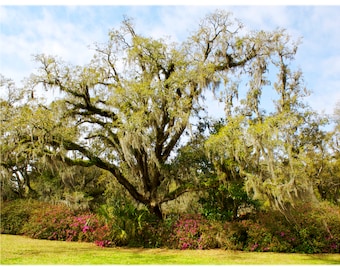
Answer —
193 232
308 229
318 228
57 222
186 233
103 243
261 238
197 232
103 236
49 222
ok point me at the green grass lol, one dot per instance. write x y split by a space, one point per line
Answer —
23 250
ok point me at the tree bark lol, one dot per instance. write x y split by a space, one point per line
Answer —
156 210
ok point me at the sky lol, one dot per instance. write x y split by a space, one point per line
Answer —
70 31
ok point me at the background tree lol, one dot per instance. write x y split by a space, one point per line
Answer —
271 153
28 167
327 168
16 156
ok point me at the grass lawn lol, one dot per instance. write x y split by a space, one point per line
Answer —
23 250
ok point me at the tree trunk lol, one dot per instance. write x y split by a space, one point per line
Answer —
235 210
156 210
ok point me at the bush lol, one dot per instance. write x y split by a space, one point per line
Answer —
236 236
58 222
154 233
186 233
224 202
49 222
197 232
125 222
192 231
307 228
318 228
15 214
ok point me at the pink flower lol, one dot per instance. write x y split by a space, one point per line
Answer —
254 247
103 243
185 246
85 228
334 246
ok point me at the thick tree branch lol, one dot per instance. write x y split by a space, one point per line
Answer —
108 167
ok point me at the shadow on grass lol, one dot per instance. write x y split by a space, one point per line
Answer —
326 259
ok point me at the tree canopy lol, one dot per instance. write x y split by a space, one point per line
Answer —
129 110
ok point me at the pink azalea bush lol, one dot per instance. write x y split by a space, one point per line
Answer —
192 232
57 222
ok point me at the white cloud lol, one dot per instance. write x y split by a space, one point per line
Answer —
27 33
318 55
67 32
325 84
262 17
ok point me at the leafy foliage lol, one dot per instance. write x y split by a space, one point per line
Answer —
15 214
225 202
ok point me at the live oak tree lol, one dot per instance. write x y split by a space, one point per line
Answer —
127 110
15 156
28 167
22 130
272 154
327 173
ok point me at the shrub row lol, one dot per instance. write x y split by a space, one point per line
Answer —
307 229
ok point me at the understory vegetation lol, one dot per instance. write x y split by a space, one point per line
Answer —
311 229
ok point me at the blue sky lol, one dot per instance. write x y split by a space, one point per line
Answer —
69 31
